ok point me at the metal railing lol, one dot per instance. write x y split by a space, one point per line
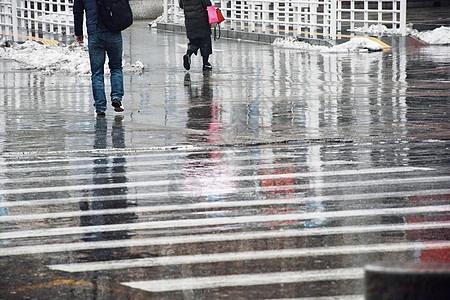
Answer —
324 19
36 18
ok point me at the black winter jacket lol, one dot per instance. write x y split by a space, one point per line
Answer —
196 18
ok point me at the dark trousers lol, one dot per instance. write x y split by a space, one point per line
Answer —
204 44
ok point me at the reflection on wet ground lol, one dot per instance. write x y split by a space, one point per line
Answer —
278 175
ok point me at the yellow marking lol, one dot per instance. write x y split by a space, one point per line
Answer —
56 282
41 40
385 46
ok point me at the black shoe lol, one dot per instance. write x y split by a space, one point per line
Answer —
187 62
117 104
207 67
100 113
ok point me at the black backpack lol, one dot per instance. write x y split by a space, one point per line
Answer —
116 15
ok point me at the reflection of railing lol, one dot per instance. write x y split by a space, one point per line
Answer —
36 18
305 18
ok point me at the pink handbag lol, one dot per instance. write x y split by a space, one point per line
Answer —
212 15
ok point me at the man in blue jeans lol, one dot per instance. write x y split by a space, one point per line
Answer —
100 42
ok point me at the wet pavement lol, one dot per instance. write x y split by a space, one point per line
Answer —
280 174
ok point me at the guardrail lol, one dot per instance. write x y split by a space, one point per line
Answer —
324 19
36 18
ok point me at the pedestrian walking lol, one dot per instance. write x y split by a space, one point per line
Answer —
101 42
198 31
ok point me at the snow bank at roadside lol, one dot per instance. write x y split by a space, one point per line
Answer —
49 59
438 36
354 45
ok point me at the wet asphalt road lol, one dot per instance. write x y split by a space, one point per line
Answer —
280 174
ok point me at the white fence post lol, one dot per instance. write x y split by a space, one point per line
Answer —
333 20
14 20
403 17
166 12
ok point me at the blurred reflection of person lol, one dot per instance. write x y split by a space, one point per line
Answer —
104 173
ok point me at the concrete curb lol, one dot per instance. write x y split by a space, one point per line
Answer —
242 35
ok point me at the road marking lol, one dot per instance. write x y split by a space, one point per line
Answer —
215 204
208 282
130 174
248 256
205 205
109 162
383 44
219 237
212 180
77 246
53 283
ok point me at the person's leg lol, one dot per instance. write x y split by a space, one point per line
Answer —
193 47
115 50
206 51
97 62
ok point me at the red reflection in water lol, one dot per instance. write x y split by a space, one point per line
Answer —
431 255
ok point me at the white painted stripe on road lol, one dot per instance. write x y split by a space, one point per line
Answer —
204 282
193 181
109 163
224 237
109 151
62 247
202 205
248 256
129 174
175 154
212 204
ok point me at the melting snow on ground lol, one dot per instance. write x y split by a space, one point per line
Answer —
354 45
438 36
49 59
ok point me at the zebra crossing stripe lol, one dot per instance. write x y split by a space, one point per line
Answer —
230 220
208 282
78 246
248 256
215 204
148 209
109 162
188 181
130 174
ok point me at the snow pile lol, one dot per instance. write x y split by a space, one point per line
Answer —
49 59
438 36
381 30
354 45
292 43
360 44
